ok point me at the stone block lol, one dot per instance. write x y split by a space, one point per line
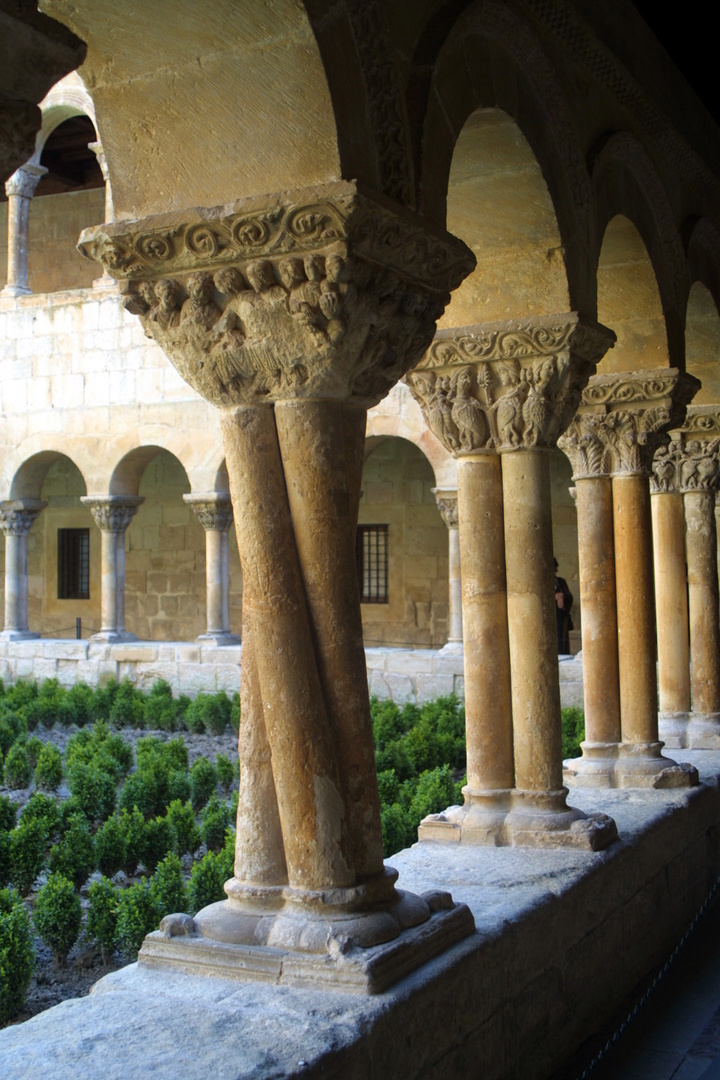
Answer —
196 678
227 678
67 672
65 650
134 654
24 668
88 671
107 669
402 688
433 686
44 669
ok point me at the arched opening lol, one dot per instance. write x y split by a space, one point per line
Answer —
499 204
405 602
702 343
629 301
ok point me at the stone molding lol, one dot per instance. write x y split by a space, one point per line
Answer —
214 510
623 418
24 181
328 292
447 504
112 513
690 461
507 386
17 516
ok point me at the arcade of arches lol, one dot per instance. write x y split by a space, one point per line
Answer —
445 305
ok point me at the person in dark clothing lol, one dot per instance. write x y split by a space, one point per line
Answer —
563 604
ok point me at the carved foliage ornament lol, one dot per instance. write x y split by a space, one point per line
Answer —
114 513
334 295
18 518
213 515
621 421
508 386
691 459
24 182
447 504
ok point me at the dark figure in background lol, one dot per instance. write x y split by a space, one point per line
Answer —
563 604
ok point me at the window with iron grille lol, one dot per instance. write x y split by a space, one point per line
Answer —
371 553
73 564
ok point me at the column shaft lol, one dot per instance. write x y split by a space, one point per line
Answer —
703 600
16 583
488 707
112 582
671 600
455 615
635 607
18 226
217 576
599 612
532 622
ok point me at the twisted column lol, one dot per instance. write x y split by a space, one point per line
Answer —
498 396
620 421
17 517
447 503
215 514
112 514
20 189
292 315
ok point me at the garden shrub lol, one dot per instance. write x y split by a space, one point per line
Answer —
43 808
235 713
102 916
97 744
136 917
132 824
159 840
110 846
4 859
18 773
160 707
57 916
388 786
67 811
397 829
167 887
207 878
8 813
388 723
74 856
10 728
2 770
186 835
76 707
17 955
215 821
573 731
203 780
434 791
93 789
143 791
226 858
225 772
49 769
33 747
128 707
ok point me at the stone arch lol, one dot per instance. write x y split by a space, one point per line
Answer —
405 420
492 58
626 182
29 477
702 342
243 87
128 472
629 300
68 98
703 258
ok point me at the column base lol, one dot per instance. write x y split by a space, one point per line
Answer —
15 290
627 765
18 635
673 729
703 731
596 767
363 939
514 818
219 638
455 648
112 637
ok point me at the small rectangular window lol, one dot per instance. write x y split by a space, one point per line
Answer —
73 564
371 553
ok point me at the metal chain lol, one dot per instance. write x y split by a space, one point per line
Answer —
652 987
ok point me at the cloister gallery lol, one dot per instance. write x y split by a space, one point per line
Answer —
376 307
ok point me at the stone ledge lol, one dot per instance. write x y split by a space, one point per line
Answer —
562 936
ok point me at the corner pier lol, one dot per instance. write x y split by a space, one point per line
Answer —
562 936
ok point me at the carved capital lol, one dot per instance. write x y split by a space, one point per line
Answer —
507 386
24 181
690 461
328 292
17 516
214 510
622 420
447 504
112 513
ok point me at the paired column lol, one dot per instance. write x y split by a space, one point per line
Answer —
610 444
498 396
20 189
215 514
113 514
293 314
17 517
447 503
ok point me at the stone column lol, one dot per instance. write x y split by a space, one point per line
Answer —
112 514
215 514
447 502
695 449
620 422
293 314
498 396
17 517
20 189
673 639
